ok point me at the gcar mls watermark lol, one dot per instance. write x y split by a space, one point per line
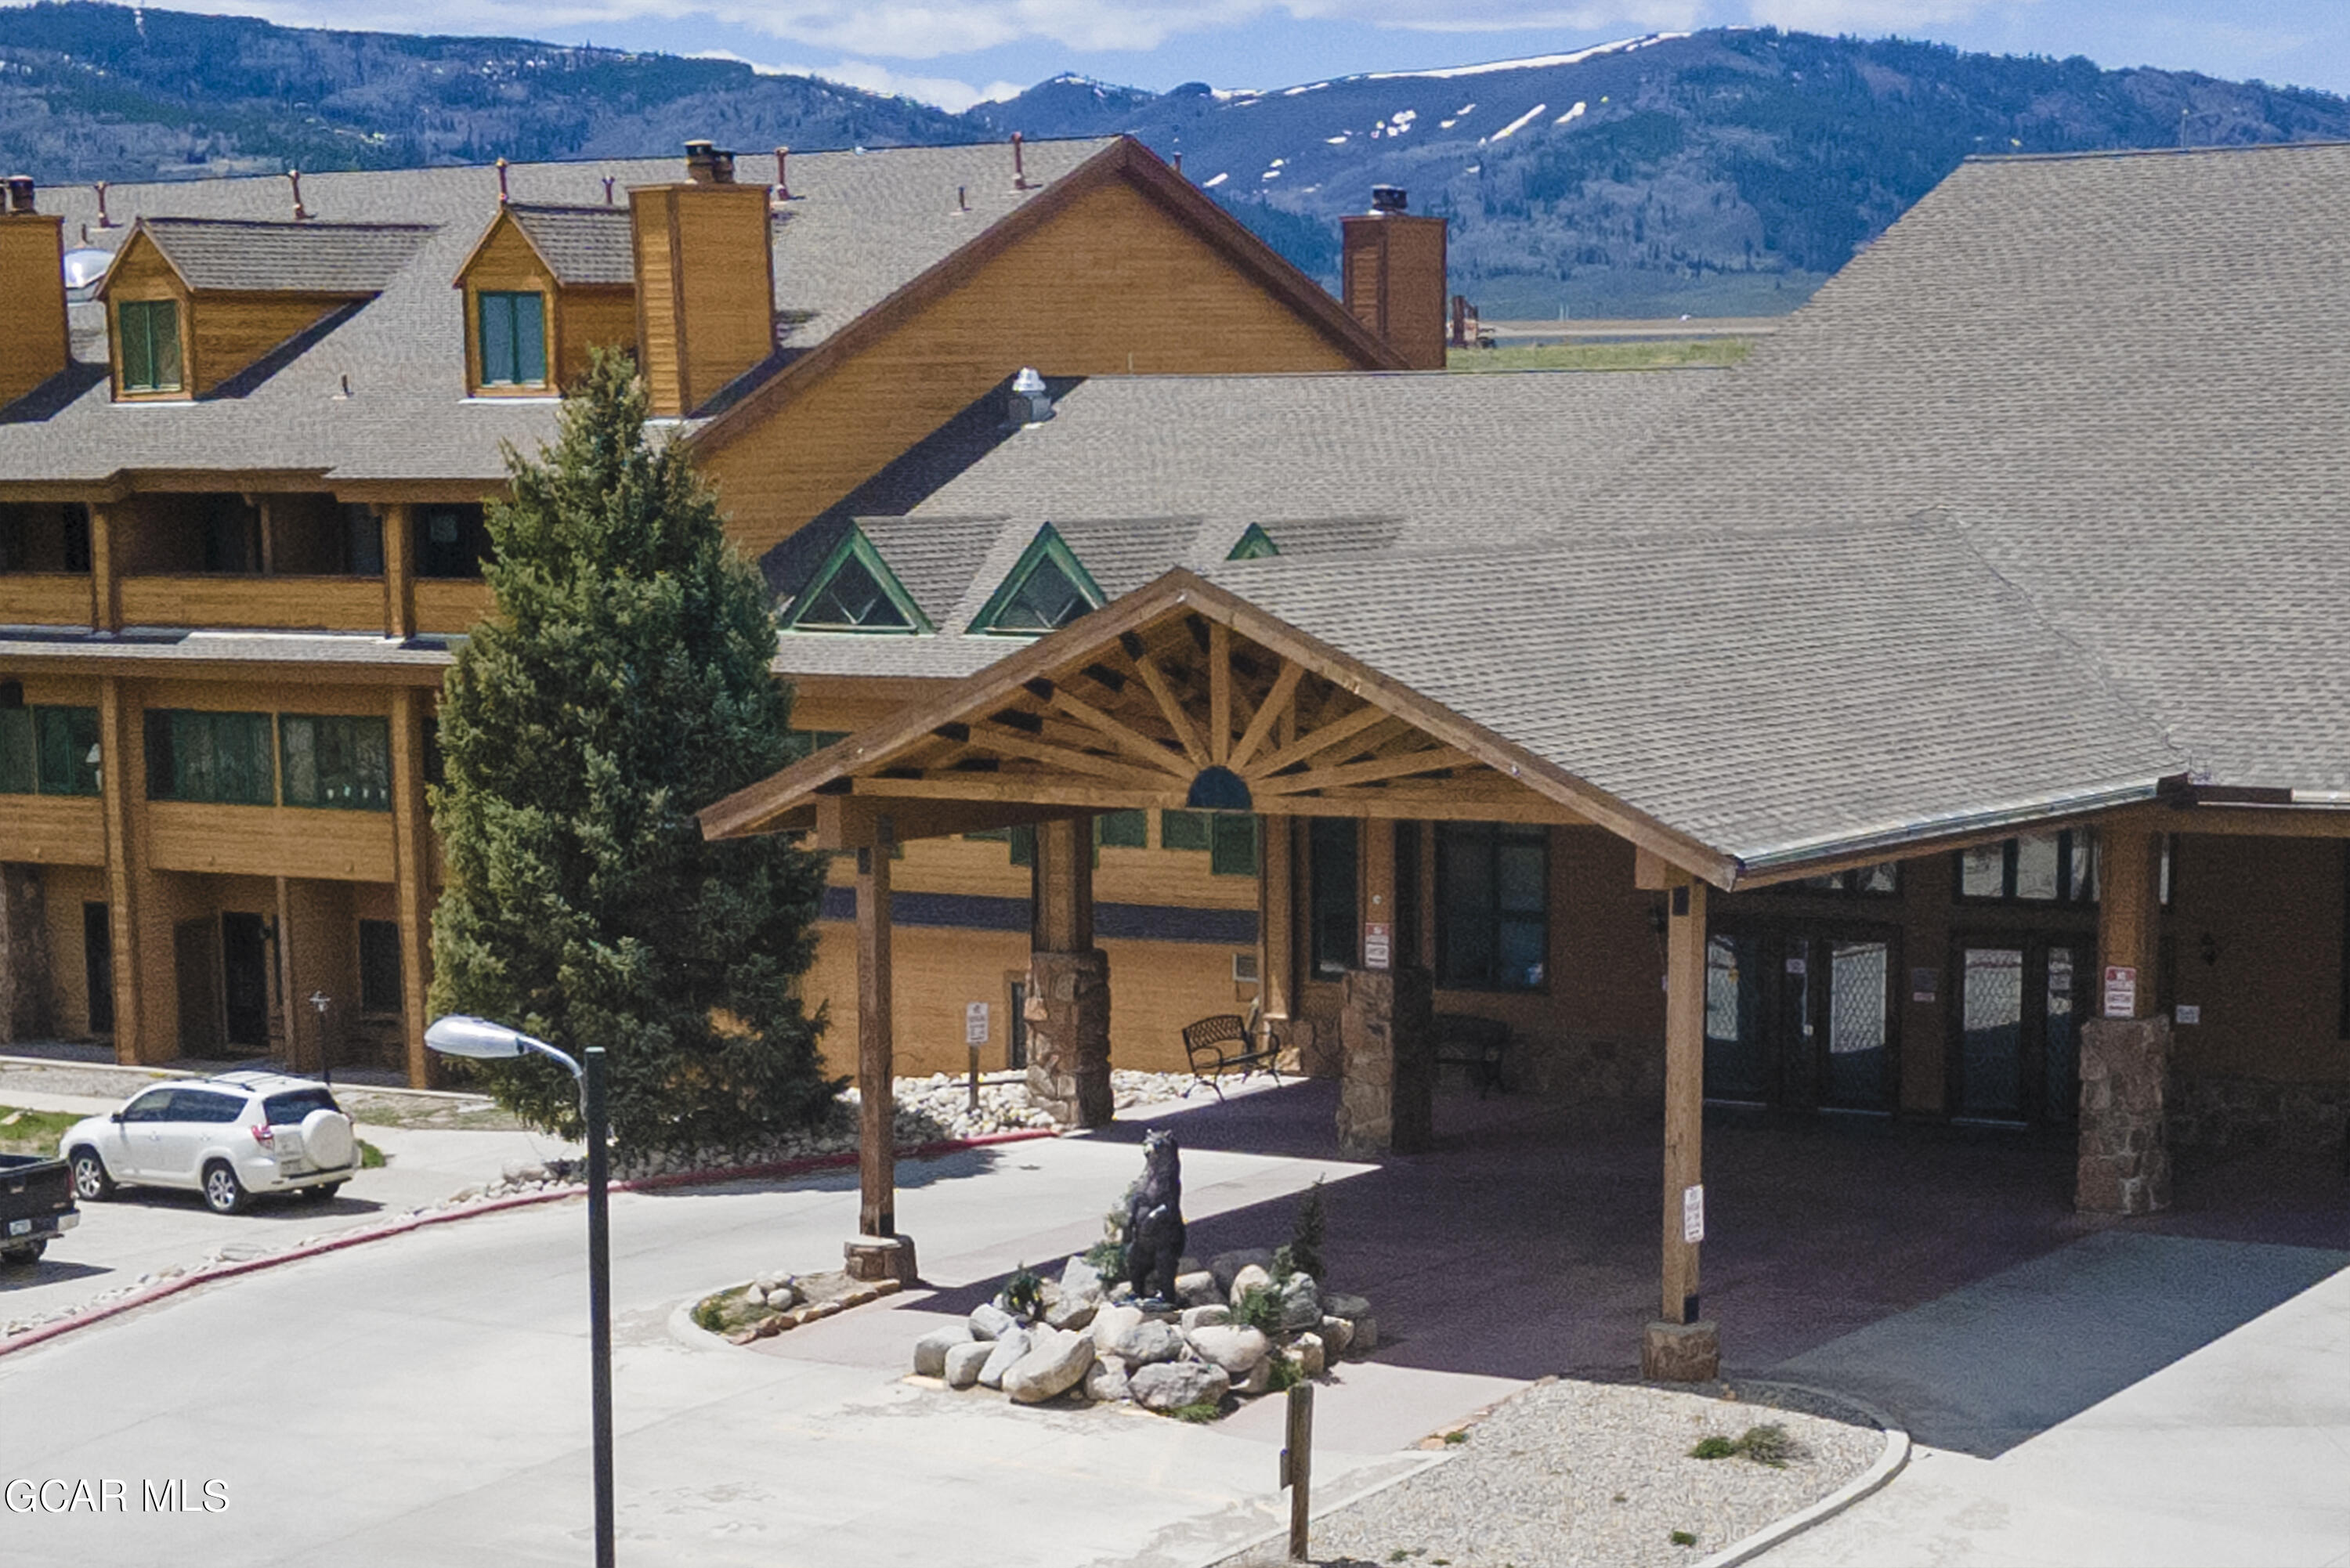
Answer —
94 1495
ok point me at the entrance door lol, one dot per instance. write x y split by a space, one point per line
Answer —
1800 1015
245 979
98 966
1740 1052
2019 1005
197 965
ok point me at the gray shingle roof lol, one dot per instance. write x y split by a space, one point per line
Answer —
243 255
583 244
860 226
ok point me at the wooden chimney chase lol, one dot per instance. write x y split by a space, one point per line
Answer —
705 280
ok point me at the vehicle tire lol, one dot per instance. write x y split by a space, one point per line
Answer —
223 1193
91 1184
322 1193
24 1252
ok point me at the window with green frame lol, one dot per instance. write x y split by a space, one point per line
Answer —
48 750
149 331
1229 838
1046 590
1331 865
336 762
1122 829
220 759
1492 906
1254 546
513 338
855 590
1183 830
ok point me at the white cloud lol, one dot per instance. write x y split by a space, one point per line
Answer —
1866 18
950 93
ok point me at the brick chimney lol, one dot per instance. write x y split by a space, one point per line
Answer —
705 280
1393 267
33 345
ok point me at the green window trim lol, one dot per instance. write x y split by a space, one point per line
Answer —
335 761
510 329
854 591
1183 830
48 750
148 330
1122 830
211 758
1255 544
1026 604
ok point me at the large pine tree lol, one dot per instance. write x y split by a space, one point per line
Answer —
623 685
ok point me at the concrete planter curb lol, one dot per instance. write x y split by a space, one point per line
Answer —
166 1289
1889 1464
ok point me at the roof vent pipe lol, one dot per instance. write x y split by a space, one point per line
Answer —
783 180
501 181
294 178
20 194
607 192
708 164
1032 401
1389 199
103 221
1019 169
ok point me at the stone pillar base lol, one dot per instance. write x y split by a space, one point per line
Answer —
1069 1037
1386 1089
881 1258
2125 1149
1682 1352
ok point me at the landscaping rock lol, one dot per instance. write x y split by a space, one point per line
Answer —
1337 1335
1226 1266
1010 1346
1249 1277
1301 1303
1338 1306
1071 1312
1197 1288
1367 1335
1234 1349
1311 1356
1171 1385
964 1361
989 1321
931 1350
1106 1380
1205 1317
1080 1279
1112 1321
1057 1361
1147 1342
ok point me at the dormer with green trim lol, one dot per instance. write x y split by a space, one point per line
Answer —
855 590
1255 545
1047 589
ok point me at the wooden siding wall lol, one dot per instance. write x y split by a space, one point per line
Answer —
658 354
705 267
33 345
506 263
141 273
2255 938
1114 284
592 318
451 605
292 603
230 331
1394 284
64 889
45 598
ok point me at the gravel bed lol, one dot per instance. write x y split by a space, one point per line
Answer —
1571 1473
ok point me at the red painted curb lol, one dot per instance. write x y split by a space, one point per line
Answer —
169 1288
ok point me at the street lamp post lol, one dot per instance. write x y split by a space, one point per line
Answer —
457 1036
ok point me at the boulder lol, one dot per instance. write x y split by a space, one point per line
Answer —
931 1350
1309 1352
1106 1380
1081 1278
1205 1317
1367 1334
1197 1288
1225 1266
965 1360
1171 1385
1057 1361
1338 1306
1259 1378
1233 1349
1337 1333
1250 1278
1112 1321
1147 1342
1009 1349
989 1321
1071 1312
1301 1303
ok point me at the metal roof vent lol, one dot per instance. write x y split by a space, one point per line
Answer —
85 265
1387 199
1032 401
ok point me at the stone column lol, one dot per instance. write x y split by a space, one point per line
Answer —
2125 1158
1068 1037
23 957
1386 1091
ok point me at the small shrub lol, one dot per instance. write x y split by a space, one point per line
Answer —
1770 1445
1107 1259
708 1316
1204 1411
1305 1238
1456 1437
1258 1308
370 1157
1285 1375
1713 1448
1023 1294
1284 1268
1682 1538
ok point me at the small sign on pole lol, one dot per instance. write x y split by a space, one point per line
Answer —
974 1024
1378 945
2121 991
1693 1214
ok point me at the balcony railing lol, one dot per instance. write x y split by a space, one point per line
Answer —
45 598
274 603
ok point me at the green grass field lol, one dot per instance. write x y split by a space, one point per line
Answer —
1634 356
33 1132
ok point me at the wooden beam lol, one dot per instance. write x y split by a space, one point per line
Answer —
877 1151
2237 821
398 520
1130 740
1684 1092
106 523
1277 943
1432 760
1219 693
412 886
2129 920
1171 707
847 822
1061 883
1021 789
995 738
1317 741
118 711
1276 703
1375 920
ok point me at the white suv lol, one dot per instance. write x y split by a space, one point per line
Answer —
230 1137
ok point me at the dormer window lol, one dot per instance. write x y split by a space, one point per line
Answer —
855 590
1044 592
149 330
513 338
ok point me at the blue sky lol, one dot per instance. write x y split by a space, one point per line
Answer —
953 52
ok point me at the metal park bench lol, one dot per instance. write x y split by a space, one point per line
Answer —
1226 1041
1479 1045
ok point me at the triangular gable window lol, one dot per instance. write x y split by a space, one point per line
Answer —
1254 546
1044 592
855 590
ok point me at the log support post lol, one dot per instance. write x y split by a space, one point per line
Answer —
1387 1090
1681 1345
2125 1151
398 520
1067 1010
412 872
120 755
1276 944
878 1252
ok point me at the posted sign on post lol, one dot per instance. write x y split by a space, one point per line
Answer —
2121 991
975 1024
1693 1214
1378 945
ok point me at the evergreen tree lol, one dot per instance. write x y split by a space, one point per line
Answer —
623 685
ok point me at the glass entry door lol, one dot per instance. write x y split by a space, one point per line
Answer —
1801 1016
2017 1052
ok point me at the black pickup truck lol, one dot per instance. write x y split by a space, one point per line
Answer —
36 1205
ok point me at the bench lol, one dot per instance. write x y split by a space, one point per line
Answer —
1479 1045
1225 1041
